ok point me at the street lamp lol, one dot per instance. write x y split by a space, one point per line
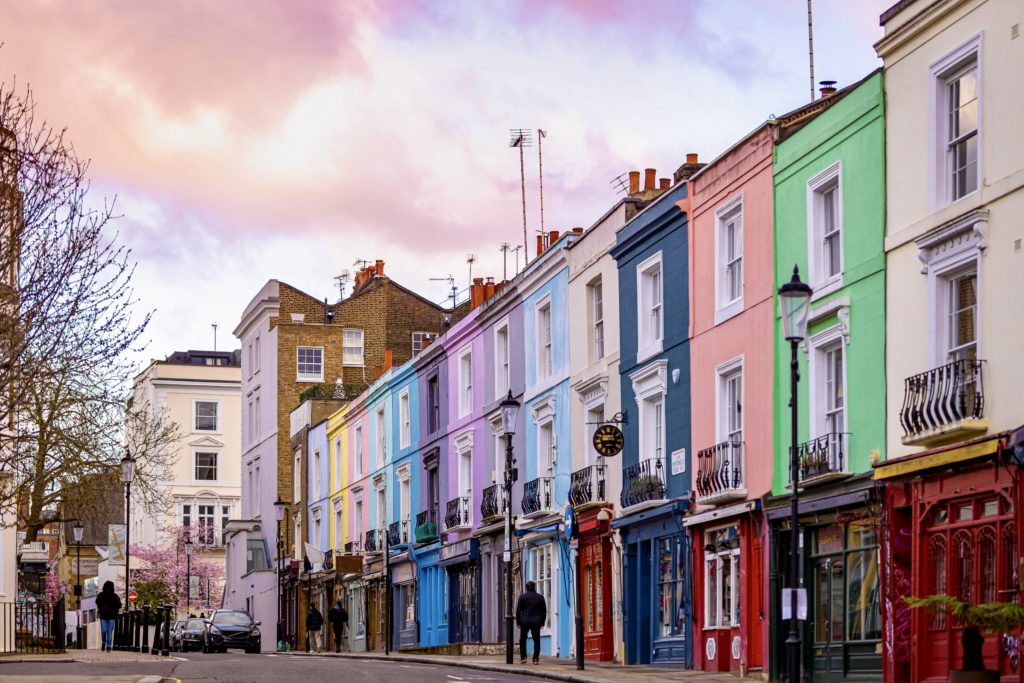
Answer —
127 474
188 574
794 300
79 529
279 508
509 415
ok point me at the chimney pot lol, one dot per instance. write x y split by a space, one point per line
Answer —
828 88
489 288
578 230
634 182
691 158
665 183
379 265
649 176
540 244
552 237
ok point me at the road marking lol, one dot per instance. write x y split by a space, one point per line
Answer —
455 678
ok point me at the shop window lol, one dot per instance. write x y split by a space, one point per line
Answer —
722 586
670 588
937 562
987 563
962 555
846 600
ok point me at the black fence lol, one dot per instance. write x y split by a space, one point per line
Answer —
32 627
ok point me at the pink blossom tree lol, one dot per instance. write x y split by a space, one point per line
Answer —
162 576
55 588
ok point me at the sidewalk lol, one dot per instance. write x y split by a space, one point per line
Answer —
553 668
85 656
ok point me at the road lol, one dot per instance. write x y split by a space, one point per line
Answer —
267 668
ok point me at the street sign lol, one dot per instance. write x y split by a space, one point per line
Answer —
133 596
608 440
116 536
801 603
569 521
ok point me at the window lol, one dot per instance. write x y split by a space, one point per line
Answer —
357 523
256 355
545 449
316 475
255 555
502 376
465 473
357 452
962 319
844 592
225 517
206 416
825 228
337 463
595 416
186 515
205 533
649 303
315 532
721 582
380 428
206 467
729 259
382 509
670 587
251 497
730 398
297 477
249 360
310 364
434 399
653 435
404 499
256 501
835 399
595 296
352 347
465 382
252 424
956 122
338 527
544 351
420 340
257 421
405 433
542 573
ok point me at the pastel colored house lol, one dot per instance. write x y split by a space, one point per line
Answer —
404 497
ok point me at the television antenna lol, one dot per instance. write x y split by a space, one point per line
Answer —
522 138
540 162
516 250
620 183
504 248
470 259
342 281
361 263
450 279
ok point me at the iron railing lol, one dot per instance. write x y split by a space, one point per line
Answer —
426 527
398 533
537 495
642 482
587 485
456 513
827 454
374 542
720 470
352 547
942 397
494 502
32 627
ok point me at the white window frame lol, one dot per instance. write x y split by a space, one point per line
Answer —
337 463
216 417
650 385
465 381
734 584
464 474
502 361
308 377
339 523
818 346
297 476
404 419
216 466
316 475
726 308
545 356
380 432
830 177
357 523
404 475
595 296
418 338
357 451
348 358
723 374
650 341
546 586
257 354
941 72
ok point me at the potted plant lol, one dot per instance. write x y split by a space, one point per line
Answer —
647 486
997 617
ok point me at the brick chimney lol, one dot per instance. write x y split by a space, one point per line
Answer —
691 166
634 182
476 293
828 88
649 175
379 268
488 288
540 244
553 237
577 230
666 183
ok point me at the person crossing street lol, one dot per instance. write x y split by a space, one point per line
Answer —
531 613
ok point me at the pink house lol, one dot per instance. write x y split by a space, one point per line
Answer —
732 365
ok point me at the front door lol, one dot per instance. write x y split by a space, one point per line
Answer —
596 587
464 603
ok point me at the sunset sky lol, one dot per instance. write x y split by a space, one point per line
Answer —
250 139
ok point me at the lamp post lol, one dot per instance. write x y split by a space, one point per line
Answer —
188 574
127 474
79 529
794 300
509 416
279 508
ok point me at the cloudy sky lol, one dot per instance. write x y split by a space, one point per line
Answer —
255 139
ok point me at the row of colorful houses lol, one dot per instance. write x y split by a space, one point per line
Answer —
898 197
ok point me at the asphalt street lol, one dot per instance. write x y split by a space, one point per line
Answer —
265 668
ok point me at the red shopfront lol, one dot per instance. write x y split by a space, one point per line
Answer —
729 605
596 572
952 520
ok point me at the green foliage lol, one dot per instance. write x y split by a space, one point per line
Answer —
329 391
153 592
999 617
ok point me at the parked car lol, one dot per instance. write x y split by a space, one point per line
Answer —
192 633
230 628
175 639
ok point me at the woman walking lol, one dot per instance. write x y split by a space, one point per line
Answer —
107 605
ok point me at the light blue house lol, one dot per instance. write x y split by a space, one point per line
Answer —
403 483
318 486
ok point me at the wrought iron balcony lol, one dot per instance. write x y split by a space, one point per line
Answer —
946 403
824 457
720 473
456 513
398 533
352 547
494 503
538 495
587 486
643 482
374 541
426 527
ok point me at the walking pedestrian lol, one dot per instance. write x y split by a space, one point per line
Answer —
314 622
531 613
107 606
338 617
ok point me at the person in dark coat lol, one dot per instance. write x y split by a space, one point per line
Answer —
531 613
314 622
338 616
107 607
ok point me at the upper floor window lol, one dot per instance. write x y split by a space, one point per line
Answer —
352 347
957 89
827 365
825 228
502 378
206 416
297 476
337 463
729 259
206 467
316 475
405 426
310 366
434 401
730 396
256 354
380 426
544 350
465 382
650 318
595 306
962 315
420 340
357 452
835 389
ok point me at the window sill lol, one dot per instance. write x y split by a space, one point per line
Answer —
823 289
309 380
650 350
348 364
729 310
208 431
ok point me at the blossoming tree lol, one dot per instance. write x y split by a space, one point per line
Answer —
162 576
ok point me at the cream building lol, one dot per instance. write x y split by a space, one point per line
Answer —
200 392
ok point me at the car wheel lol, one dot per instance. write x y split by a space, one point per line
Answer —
252 650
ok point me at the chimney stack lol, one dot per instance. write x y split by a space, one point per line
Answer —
691 157
578 230
379 268
488 288
552 237
476 293
691 166
634 182
649 175
828 88
388 359
666 183
540 244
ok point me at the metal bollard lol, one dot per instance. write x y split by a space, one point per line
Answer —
117 631
129 628
145 629
136 624
159 618
165 650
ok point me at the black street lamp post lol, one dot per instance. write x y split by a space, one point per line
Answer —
127 474
79 529
509 415
279 508
794 300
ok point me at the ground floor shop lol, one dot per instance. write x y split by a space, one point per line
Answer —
548 562
432 596
729 586
355 596
597 578
494 585
404 620
461 563
657 604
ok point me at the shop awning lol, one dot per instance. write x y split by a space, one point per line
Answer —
722 513
938 457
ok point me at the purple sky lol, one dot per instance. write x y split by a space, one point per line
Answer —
255 139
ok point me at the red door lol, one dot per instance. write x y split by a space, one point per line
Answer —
596 586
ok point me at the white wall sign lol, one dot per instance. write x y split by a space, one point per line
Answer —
679 461
115 544
801 603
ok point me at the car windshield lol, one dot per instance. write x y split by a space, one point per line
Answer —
232 618
178 624
194 625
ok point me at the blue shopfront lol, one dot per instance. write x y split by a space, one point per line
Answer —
431 597
461 562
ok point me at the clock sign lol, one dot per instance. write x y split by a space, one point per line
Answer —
608 440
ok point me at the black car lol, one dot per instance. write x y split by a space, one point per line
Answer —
190 635
230 628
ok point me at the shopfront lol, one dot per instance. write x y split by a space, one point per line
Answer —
355 595
595 548
404 619
493 586
432 597
461 562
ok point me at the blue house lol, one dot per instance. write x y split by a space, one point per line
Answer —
404 498
651 253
